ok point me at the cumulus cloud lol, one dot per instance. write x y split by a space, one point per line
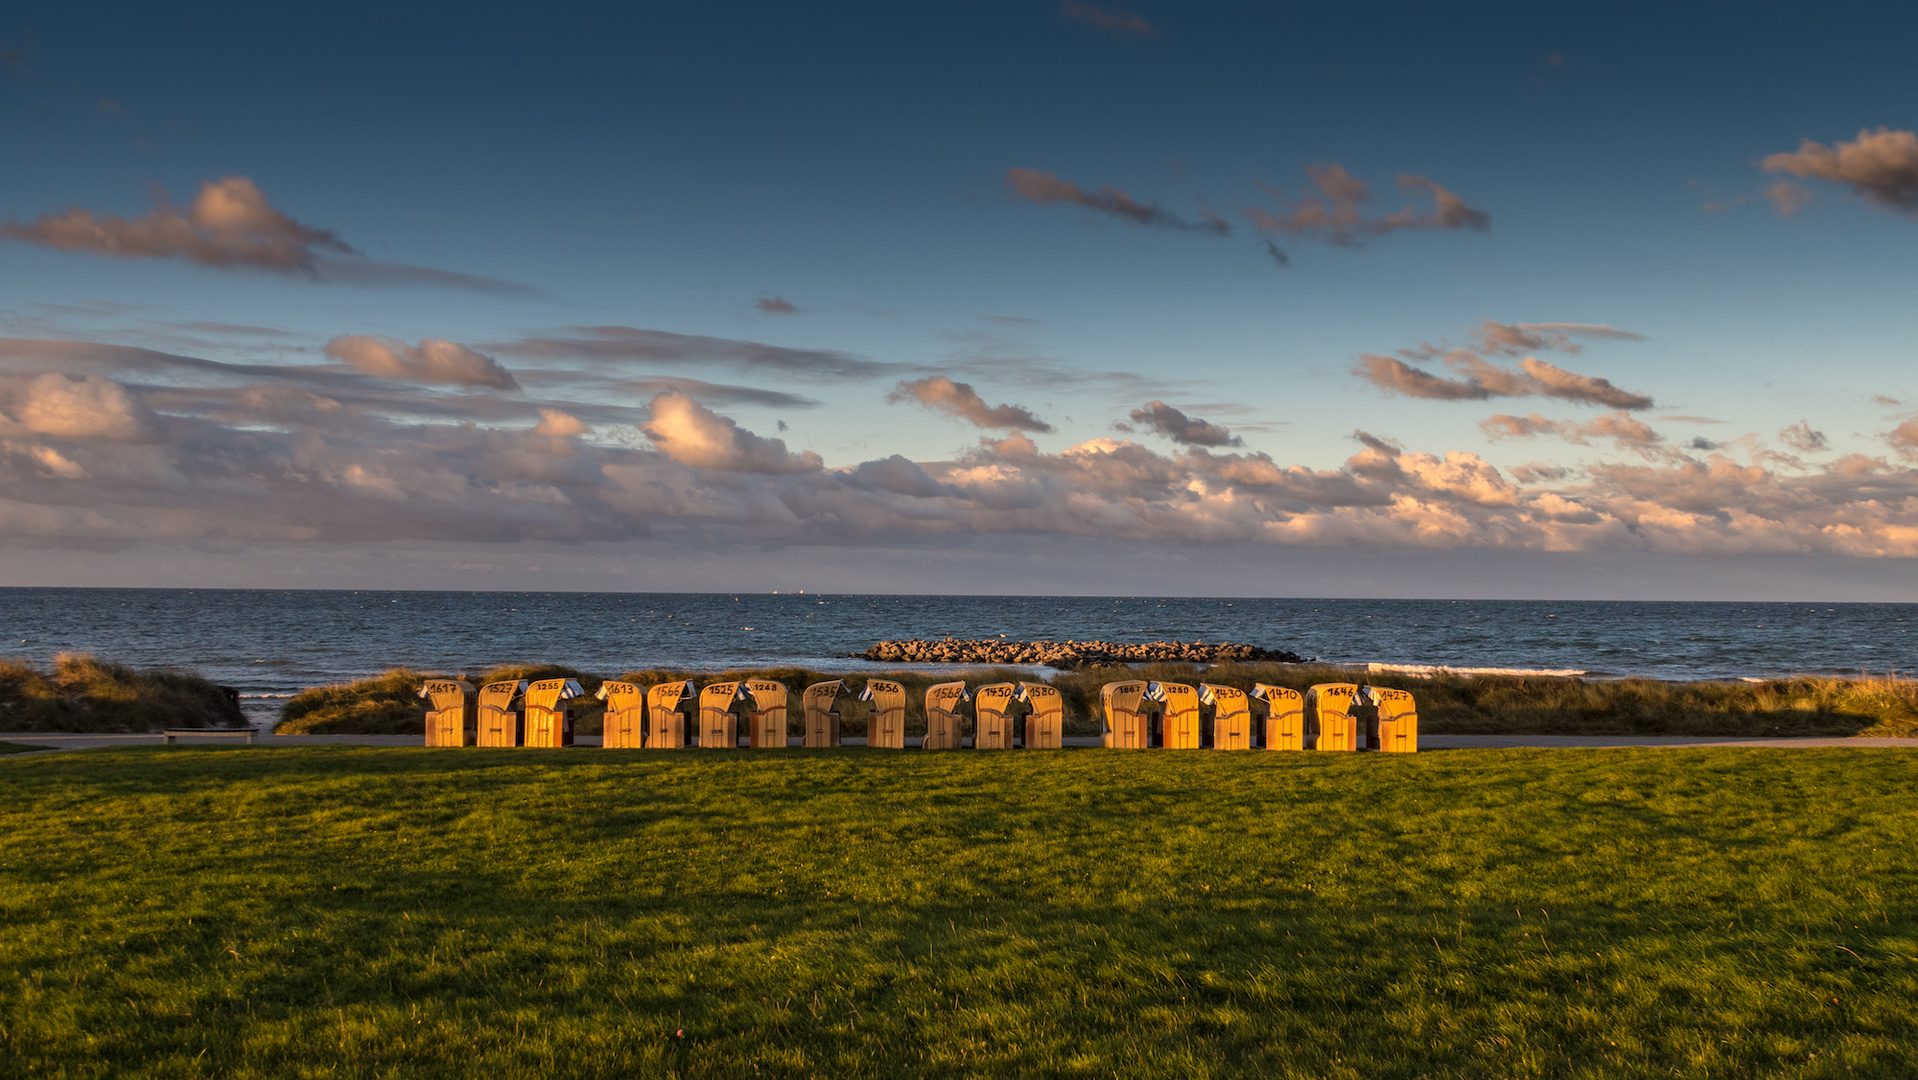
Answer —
692 434
1182 429
630 343
1904 438
775 305
1880 167
89 407
1480 379
1111 20
430 361
116 445
555 424
1332 209
230 225
1045 188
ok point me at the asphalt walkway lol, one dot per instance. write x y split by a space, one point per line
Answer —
55 743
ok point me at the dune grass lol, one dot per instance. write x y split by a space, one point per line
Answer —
1448 705
390 704
350 912
82 693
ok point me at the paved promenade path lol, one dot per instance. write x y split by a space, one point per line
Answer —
54 743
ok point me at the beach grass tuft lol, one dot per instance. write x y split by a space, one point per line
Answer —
82 693
355 912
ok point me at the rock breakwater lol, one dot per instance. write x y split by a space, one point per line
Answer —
1068 655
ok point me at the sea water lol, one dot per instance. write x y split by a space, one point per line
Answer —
270 644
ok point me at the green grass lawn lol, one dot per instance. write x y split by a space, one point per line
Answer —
333 912
17 748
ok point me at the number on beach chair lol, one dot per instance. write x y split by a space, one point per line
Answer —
549 720
1231 716
1125 721
1284 716
453 716
945 727
1045 724
822 718
768 715
625 725
1328 714
498 724
886 723
993 722
718 723
1398 731
1179 727
666 721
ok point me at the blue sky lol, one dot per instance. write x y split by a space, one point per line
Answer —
857 229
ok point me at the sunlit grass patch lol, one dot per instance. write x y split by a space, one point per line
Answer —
359 912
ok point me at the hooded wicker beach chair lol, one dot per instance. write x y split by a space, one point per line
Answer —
1284 716
886 723
1045 723
1179 730
625 725
1127 716
669 722
766 720
499 724
718 723
1328 715
549 719
994 725
822 715
1231 716
452 715
1398 725
945 725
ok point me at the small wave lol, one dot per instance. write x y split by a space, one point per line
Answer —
1429 670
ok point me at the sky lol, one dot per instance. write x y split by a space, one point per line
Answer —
1036 297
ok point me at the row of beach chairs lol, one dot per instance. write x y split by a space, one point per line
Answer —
1138 715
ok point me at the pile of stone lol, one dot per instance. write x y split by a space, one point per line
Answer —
1071 654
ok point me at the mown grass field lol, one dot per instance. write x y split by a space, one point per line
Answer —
353 912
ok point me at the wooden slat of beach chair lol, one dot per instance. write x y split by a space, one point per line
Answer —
886 723
1125 725
666 720
625 725
994 723
718 724
1045 724
768 716
1231 716
1181 723
822 719
1398 721
944 725
499 724
1328 710
1285 716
